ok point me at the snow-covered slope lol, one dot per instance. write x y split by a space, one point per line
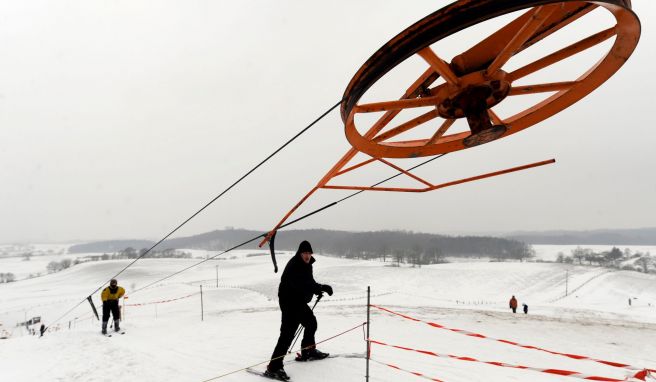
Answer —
167 341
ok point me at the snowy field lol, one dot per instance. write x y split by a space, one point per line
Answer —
167 341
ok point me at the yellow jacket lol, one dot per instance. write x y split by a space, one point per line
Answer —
107 295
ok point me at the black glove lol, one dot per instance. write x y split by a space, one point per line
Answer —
327 288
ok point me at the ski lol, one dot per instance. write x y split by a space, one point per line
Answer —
261 374
343 355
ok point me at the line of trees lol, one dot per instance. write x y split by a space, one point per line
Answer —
376 244
131 253
420 249
614 258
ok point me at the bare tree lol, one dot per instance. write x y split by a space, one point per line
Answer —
644 261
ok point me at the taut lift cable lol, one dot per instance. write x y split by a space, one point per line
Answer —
202 208
286 224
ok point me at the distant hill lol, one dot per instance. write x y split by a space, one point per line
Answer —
350 244
638 236
341 242
109 246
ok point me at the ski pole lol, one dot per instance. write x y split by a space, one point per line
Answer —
298 331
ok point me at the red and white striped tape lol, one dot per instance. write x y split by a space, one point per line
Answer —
567 373
408 371
641 372
163 301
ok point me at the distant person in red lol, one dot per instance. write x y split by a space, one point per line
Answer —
110 297
513 304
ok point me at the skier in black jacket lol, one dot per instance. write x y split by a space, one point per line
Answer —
296 288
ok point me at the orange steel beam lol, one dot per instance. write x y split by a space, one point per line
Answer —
538 17
268 236
398 189
352 152
392 165
491 174
444 185
426 79
562 54
541 88
344 171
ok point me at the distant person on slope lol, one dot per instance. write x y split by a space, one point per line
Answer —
525 308
110 297
513 304
296 288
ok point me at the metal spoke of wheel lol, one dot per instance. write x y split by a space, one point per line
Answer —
440 132
425 80
396 105
494 117
564 53
407 126
439 65
542 88
481 55
540 14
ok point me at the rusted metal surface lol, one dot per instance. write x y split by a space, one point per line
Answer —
474 82
447 184
470 73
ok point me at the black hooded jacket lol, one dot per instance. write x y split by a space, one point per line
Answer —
297 284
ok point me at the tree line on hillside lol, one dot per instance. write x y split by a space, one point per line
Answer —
420 248
125 254
614 258
404 246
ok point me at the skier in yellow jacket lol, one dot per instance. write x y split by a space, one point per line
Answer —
110 296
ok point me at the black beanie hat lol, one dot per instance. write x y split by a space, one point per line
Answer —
305 247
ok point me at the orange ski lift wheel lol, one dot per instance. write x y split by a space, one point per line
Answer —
472 83
475 80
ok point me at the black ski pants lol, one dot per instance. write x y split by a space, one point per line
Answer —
111 306
292 316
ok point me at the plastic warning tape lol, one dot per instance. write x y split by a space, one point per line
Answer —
408 371
355 298
566 373
641 372
163 301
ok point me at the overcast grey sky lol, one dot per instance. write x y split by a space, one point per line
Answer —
119 119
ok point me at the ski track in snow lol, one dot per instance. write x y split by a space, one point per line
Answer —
169 342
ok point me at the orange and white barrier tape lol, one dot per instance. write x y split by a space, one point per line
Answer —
566 373
163 301
641 372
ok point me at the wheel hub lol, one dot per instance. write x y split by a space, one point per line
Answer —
471 98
